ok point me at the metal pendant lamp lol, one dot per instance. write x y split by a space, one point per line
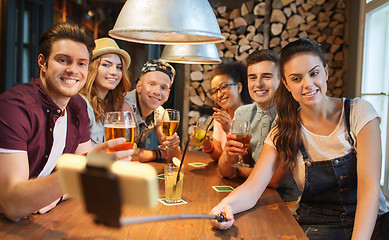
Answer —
167 22
191 54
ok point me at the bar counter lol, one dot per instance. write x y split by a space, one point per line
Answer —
269 219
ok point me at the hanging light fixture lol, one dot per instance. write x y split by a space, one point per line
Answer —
167 22
191 54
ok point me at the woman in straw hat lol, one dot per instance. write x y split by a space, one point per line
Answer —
107 82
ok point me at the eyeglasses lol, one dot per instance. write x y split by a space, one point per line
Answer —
223 88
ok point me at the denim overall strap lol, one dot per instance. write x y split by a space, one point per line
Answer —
329 197
304 152
347 116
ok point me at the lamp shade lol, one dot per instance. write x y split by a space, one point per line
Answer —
191 54
167 22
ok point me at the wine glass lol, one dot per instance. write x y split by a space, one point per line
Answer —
170 121
241 129
120 124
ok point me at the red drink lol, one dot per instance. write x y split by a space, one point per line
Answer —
243 138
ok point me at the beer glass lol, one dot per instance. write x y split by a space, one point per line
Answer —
241 129
170 121
120 124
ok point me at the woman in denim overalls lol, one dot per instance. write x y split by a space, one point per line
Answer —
318 137
328 203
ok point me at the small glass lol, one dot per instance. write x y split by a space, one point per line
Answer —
199 134
173 189
170 122
120 124
242 131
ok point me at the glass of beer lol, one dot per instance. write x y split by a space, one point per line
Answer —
120 124
173 188
199 134
170 121
241 129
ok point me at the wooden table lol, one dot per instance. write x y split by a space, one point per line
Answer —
269 219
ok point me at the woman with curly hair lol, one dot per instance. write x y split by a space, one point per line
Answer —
229 90
107 83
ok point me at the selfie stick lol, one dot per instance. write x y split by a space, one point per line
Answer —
102 199
134 220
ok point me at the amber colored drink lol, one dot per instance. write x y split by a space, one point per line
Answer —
115 131
169 128
173 190
243 138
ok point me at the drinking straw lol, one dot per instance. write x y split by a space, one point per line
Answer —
209 124
182 160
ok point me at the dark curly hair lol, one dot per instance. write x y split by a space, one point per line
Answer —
238 74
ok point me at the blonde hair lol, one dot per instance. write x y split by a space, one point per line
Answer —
114 99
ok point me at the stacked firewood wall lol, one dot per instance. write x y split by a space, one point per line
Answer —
257 25
322 21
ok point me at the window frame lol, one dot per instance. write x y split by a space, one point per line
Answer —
365 10
22 40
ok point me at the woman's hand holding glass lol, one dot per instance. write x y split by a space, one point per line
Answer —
201 141
199 134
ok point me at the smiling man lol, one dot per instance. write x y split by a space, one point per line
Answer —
41 120
152 90
263 80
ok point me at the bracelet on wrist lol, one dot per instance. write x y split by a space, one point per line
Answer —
157 154
208 150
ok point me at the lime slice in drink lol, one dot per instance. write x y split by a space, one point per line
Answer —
200 134
176 161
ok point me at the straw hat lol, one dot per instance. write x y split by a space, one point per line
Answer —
108 45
